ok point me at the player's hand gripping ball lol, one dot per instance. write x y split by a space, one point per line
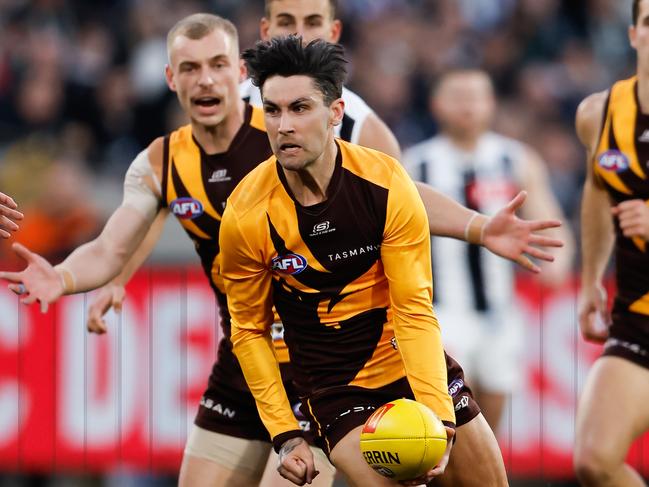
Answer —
403 439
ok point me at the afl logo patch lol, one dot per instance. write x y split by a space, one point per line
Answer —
613 160
289 264
186 208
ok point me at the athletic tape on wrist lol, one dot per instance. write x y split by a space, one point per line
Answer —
67 279
474 229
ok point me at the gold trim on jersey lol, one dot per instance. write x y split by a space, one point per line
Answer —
257 119
620 118
641 305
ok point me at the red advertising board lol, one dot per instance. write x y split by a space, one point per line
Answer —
71 401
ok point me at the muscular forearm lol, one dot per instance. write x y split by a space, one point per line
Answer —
597 235
446 217
94 264
143 251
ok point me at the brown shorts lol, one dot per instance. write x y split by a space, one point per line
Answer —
335 412
228 407
629 338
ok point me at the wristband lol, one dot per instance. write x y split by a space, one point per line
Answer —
474 229
67 279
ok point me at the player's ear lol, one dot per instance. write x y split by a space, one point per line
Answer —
632 36
337 109
169 77
336 31
243 70
264 27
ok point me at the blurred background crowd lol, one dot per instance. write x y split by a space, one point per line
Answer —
82 88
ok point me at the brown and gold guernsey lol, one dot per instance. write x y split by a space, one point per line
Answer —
195 188
621 166
350 278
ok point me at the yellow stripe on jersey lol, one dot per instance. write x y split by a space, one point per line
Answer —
609 177
624 115
641 305
257 119
187 161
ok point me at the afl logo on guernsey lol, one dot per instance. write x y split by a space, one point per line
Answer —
186 208
613 160
289 264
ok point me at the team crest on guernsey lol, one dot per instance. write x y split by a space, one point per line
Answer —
289 264
186 208
613 160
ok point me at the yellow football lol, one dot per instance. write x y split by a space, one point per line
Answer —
403 439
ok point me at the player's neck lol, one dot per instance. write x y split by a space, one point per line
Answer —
217 138
309 186
643 89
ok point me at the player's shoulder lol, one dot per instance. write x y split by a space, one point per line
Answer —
369 164
590 112
255 188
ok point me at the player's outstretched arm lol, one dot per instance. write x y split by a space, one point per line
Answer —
9 215
542 203
597 232
112 294
90 266
504 233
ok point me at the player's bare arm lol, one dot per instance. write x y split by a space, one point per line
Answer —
375 134
97 262
597 233
9 215
541 203
112 294
504 233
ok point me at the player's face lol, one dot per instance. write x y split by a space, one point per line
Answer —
639 33
205 74
464 103
298 121
311 19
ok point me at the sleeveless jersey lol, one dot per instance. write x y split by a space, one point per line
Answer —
468 276
350 278
620 166
356 110
195 186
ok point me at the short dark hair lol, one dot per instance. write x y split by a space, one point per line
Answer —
322 61
635 12
333 7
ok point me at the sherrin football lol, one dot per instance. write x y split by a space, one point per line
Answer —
403 439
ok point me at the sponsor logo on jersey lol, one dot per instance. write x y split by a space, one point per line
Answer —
454 387
186 208
613 160
321 228
217 407
644 137
289 264
464 402
346 254
219 176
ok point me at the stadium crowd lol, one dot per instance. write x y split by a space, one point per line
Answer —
82 88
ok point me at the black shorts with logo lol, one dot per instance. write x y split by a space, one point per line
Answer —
228 407
629 338
336 411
